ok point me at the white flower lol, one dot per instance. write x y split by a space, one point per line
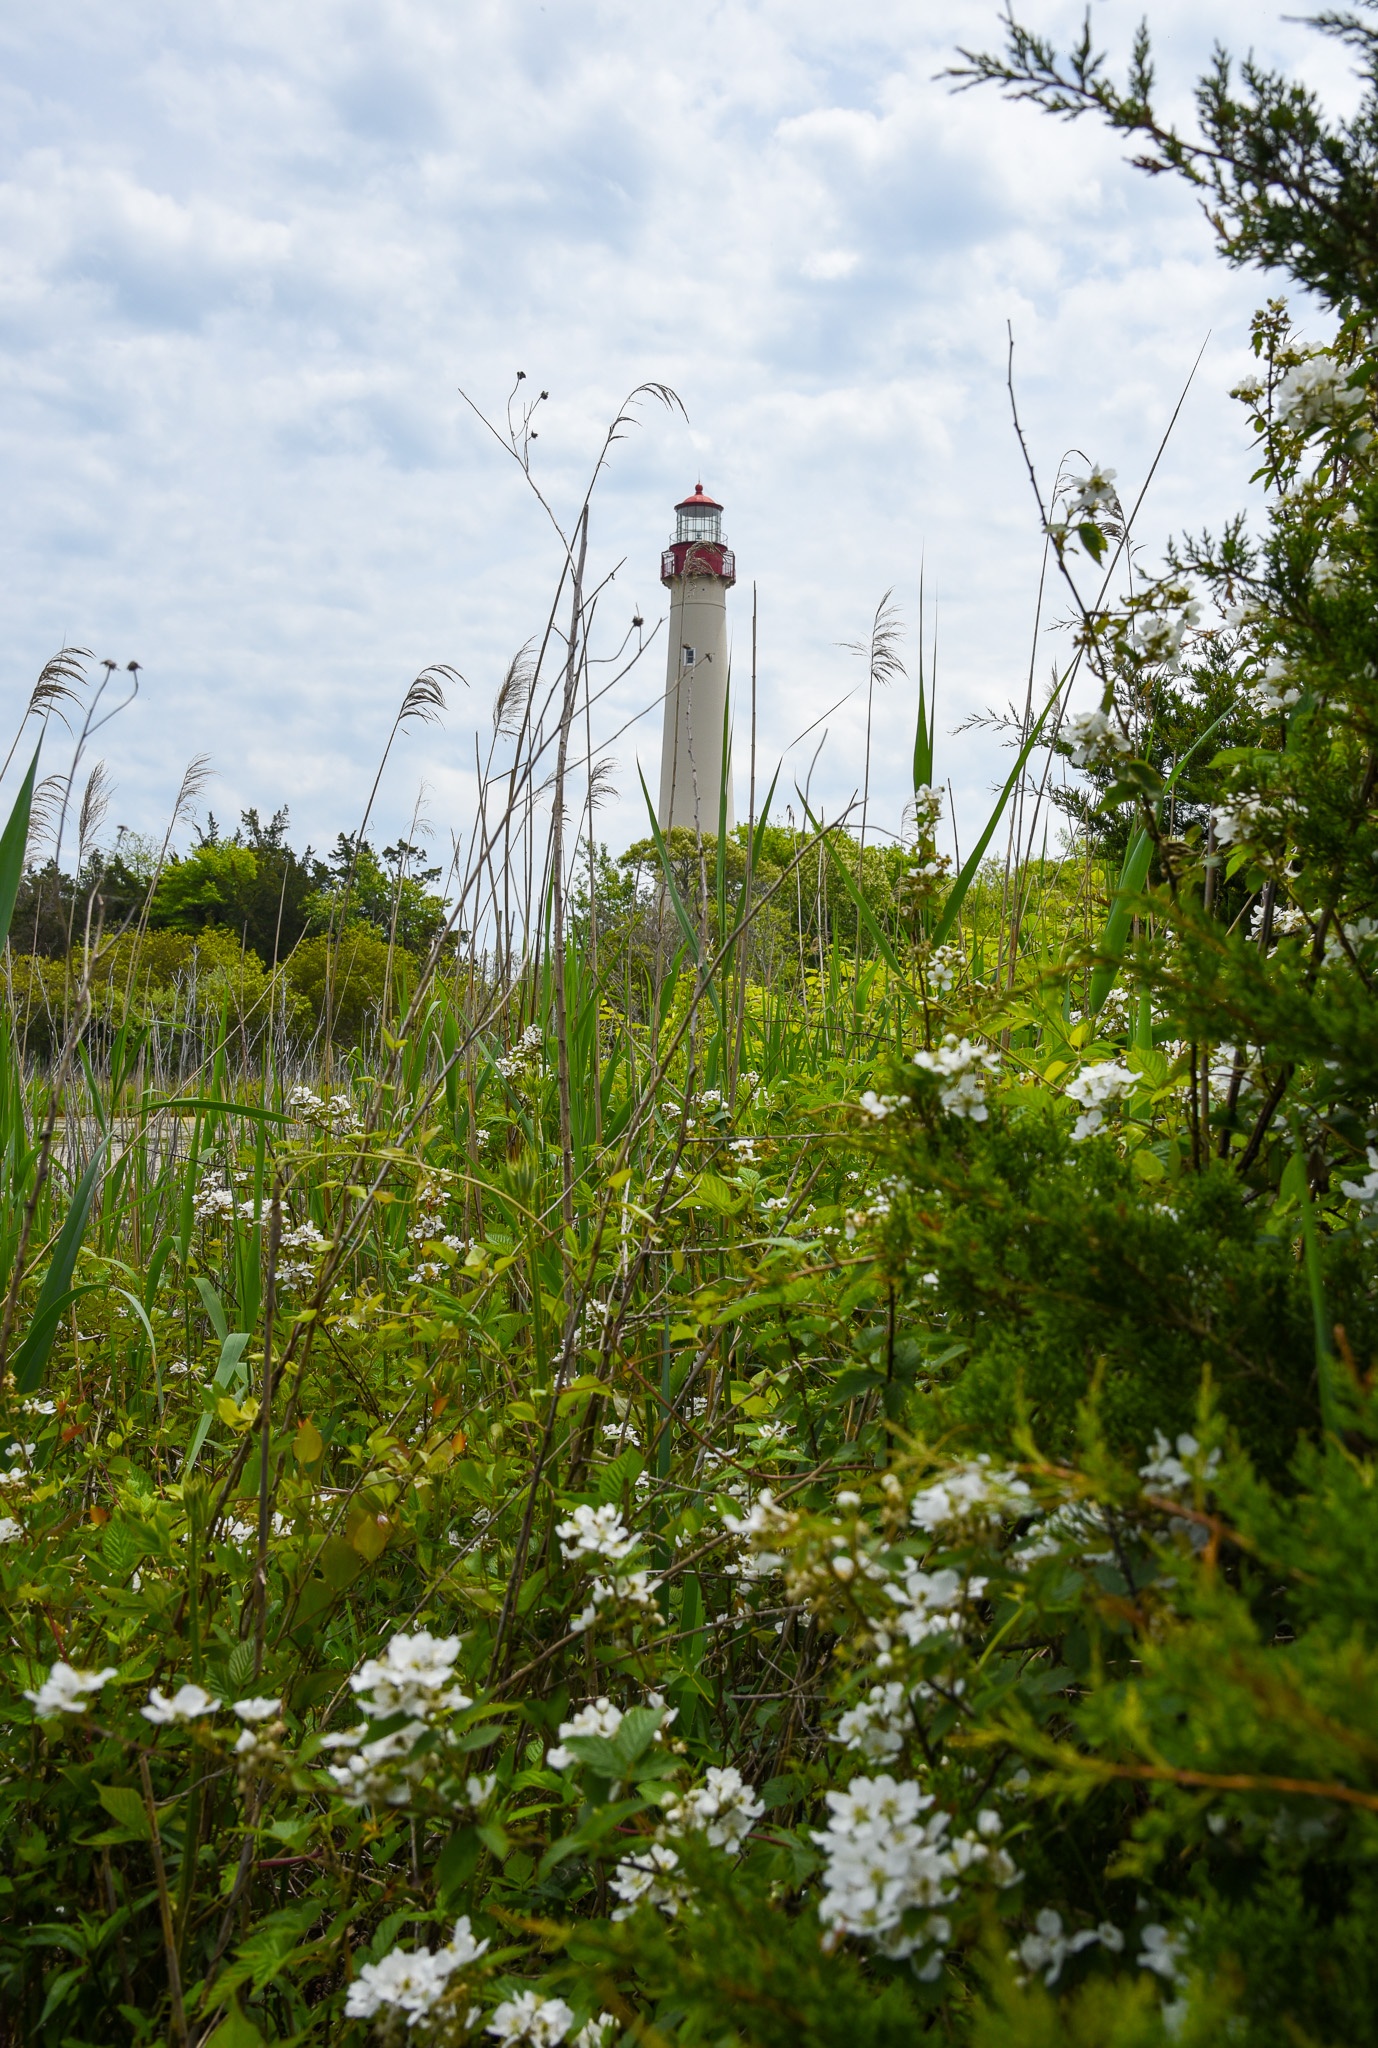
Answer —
1364 1191
931 1602
247 1532
596 1532
1048 1948
531 2017
66 1690
959 1064
412 1677
10 1530
597 2032
879 1724
1085 496
258 1709
599 1717
412 1984
188 1703
1094 738
625 1588
724 1808
944 968
1158 635
1162 1953
762 1523
967 1492
648 1876
1095 1086
1314 392
1273 691
1165 1473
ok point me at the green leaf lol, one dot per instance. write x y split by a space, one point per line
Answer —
54 1296
236 2030
13 841
125 1805
1133 875
229 1368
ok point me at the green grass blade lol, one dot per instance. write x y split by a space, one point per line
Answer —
55 1293
13 841
957 893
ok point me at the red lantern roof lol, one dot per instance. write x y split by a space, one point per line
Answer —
700 498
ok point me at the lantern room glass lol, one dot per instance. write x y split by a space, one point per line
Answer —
698 523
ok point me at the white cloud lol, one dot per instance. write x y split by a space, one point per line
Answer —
252 251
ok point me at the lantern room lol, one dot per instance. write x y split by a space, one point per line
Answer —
698 548
698 517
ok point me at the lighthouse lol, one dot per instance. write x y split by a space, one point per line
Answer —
698 570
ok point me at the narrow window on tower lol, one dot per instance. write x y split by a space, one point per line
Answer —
689 656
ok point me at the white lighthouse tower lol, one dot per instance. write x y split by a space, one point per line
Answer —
698 570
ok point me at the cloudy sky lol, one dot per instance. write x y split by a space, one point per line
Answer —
252 252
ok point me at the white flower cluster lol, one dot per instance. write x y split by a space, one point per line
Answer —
620 1589
1158 635
337 1115
944 968
1086 496
1314 393
889 1871
1048 1948
762 1524
1222 1070
929 1604
526 1049
1167 1470
18 1474
879 1725
596 1533
928 808
1094 1088
650 1876
212 1200
413 1679
1288 921
1274 691
1236 823
601 1717
960 1065
10 1530
532 2017
967 1493
308 1242
724 1809
409 1986
247 1532
1095 739
881 1106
